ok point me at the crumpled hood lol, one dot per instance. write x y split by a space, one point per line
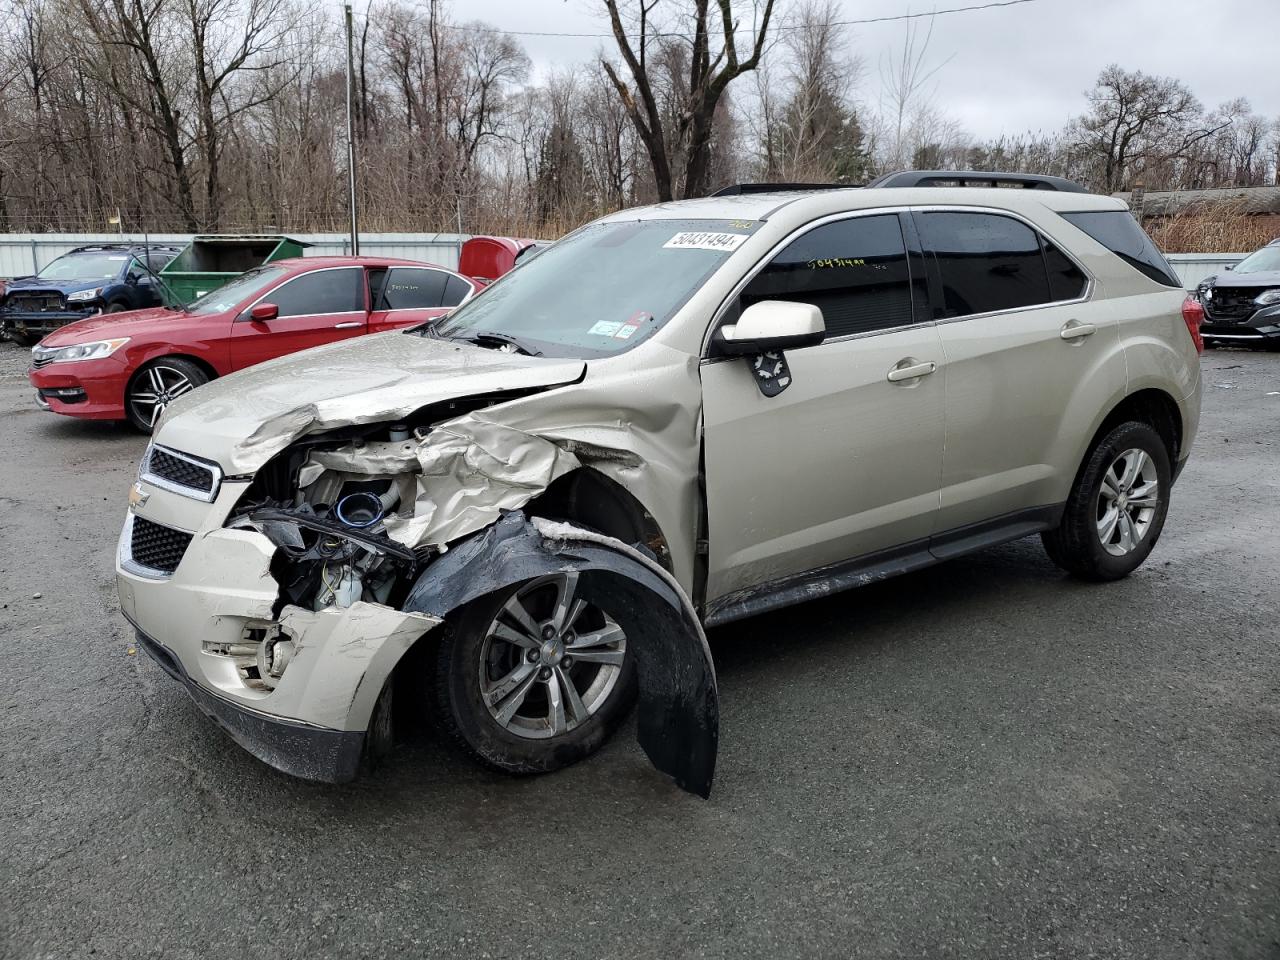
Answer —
57 286
106 326
243 420
1262 280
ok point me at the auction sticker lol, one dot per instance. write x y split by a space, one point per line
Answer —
705 241
605 328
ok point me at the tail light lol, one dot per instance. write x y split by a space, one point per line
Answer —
1193 316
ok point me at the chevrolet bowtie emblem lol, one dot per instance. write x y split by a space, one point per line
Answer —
137 496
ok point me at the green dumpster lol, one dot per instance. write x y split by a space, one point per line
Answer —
208 262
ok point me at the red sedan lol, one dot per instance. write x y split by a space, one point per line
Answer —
129 366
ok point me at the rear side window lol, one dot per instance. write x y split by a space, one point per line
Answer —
854 270
986 262
1119 232
325 291
408 288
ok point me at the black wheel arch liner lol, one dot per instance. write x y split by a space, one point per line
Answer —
679 711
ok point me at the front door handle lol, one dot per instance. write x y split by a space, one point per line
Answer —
1074 330
348 324
911 371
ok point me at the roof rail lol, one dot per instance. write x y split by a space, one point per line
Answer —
738 189
976 178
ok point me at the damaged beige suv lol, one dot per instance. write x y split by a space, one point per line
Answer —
523 515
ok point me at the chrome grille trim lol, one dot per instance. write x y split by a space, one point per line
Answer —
155 474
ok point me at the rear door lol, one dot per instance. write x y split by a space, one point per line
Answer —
844 462
315 308
403 296
1028 359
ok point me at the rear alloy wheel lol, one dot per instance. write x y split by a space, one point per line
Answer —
1117 507
157 385
533 678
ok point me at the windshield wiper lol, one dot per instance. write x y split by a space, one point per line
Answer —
479 336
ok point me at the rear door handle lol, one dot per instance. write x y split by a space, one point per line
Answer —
348 324
912 371
1074 330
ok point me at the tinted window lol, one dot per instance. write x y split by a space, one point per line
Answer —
455 291
407 288
854 270
986 262
137 270
1066 280
1119 232
325 291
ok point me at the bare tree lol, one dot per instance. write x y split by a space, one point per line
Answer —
696 95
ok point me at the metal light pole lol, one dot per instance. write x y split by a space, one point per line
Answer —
351 144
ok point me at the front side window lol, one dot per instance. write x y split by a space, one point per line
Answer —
324 291
234 292
855 271
601 289
1119 232
986 262
409 288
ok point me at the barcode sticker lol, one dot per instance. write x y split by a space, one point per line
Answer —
705 241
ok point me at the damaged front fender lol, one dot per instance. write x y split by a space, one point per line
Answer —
679 703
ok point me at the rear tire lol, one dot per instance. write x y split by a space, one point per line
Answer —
156 385
1117 508
496 699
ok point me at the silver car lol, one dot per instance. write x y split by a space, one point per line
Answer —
525 514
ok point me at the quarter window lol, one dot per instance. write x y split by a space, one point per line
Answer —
1066 280
455 291
1119 232
854 270
986 262
325 291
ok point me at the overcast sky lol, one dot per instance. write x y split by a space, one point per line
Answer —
1011 69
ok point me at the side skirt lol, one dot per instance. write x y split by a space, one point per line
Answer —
882 564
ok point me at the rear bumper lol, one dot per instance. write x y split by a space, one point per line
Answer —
298 749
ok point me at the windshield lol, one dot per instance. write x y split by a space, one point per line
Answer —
1260 261
599 290
84 266
235 291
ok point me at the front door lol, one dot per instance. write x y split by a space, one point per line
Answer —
846 461
314 308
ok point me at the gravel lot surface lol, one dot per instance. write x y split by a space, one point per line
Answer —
982 760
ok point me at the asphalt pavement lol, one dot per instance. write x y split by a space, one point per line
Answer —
985 759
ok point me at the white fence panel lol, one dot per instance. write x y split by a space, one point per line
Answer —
22 254
1191 268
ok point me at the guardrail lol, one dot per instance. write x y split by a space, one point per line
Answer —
22 254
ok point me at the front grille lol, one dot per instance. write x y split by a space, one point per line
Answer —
1231 305
157 547
182 470
35 302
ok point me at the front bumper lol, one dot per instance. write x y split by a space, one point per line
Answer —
37 324
298 749
88 389
313 722
1262 326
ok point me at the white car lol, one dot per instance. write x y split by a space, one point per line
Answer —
677 416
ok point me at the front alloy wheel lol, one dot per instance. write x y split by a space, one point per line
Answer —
156 386
533 678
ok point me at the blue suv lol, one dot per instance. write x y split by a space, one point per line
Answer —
103 278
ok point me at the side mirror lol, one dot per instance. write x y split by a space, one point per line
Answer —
770 326
262 312
1230 266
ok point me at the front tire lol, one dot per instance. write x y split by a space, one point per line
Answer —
156 385
1117 508
115 308
532 678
